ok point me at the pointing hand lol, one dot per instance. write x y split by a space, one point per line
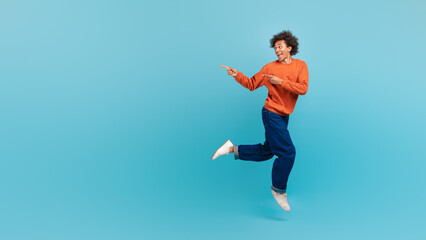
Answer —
231 71
273 79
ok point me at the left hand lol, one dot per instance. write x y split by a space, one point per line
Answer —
273 79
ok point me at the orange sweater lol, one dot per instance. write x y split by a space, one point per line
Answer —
281 98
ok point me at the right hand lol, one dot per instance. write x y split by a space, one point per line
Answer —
231 71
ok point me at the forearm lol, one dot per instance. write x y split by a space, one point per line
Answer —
295 87
249 83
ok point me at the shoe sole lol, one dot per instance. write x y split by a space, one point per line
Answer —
218 149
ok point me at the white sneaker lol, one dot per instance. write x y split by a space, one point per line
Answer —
224 150
281 200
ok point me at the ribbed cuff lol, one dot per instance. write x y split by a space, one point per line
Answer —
236 153
284 84
280 191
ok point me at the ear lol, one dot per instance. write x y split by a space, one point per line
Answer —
289 48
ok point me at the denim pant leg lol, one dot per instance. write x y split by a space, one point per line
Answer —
257 152
281 145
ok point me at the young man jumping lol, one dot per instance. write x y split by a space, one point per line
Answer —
286 79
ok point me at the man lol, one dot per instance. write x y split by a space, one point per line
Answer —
286 79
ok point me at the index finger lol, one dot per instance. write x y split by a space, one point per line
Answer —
268 75
224 66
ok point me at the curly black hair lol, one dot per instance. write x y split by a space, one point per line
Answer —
289 39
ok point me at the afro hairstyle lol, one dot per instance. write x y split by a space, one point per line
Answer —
289 39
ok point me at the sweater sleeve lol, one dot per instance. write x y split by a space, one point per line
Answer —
251 83
301 86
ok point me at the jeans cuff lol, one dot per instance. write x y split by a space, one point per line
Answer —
236 154
280 191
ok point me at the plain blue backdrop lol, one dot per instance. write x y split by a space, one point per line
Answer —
111 110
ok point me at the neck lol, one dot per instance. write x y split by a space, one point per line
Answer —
287 60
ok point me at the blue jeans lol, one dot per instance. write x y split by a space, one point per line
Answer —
278 142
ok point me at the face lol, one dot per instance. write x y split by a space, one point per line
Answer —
282 50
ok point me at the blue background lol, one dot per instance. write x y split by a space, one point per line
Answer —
111 110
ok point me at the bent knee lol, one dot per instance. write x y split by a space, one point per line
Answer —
287 152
